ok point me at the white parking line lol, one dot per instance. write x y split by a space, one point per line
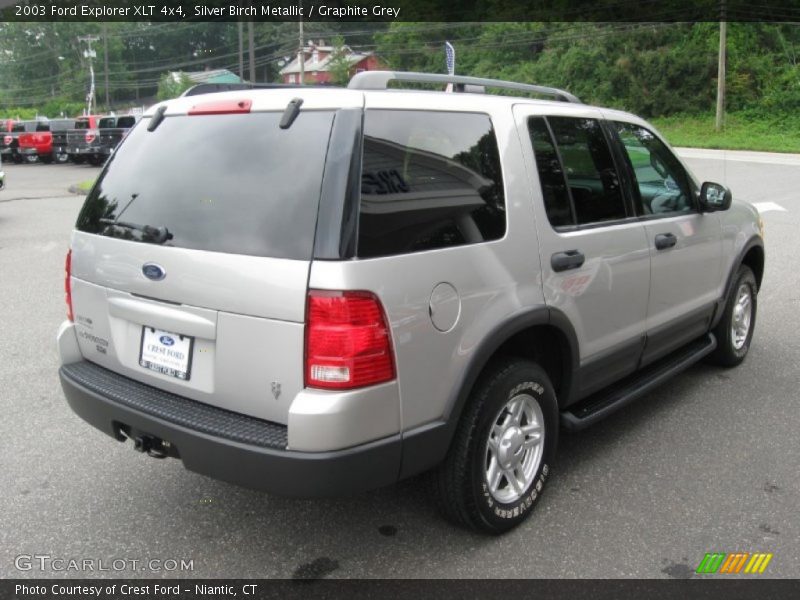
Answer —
763 207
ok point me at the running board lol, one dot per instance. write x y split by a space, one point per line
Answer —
609 400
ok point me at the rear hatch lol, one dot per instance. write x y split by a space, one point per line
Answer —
59 130
80 137
191 256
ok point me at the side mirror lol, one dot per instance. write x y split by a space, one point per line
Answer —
714 197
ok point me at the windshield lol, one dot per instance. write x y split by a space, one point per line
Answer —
233 183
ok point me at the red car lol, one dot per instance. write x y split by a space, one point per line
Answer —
38 145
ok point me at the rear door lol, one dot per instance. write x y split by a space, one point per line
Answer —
594 252
192 253
685 246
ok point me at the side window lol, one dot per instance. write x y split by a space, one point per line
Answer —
663 184
551 175
591 176
429 180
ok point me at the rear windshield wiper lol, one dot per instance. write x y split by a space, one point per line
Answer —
156 235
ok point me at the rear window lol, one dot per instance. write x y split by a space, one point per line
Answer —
126 122
107 122
61 124
226 183
82 124
42 126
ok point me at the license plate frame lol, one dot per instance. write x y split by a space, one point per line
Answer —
156 357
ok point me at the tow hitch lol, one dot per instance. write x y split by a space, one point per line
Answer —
148 444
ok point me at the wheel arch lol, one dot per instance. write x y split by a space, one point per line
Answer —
525 334
752 255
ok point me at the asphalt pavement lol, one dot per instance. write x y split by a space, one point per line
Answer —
706 463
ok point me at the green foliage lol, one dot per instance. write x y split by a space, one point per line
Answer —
173 85
747 130
339 66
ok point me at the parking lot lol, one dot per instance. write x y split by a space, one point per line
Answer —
706 463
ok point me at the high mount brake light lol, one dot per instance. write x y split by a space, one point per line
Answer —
221 107
348 342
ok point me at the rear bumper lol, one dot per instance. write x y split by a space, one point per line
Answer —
225 445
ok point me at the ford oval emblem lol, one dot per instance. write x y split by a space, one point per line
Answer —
166 340
154 271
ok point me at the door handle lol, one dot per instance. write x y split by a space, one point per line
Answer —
563 261
665 240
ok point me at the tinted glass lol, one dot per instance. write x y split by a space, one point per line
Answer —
107 122
662 182
551 175
225 183
591 175
82 124
126 122
429 180
43 126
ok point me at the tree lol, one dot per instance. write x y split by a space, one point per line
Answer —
339 65
173 85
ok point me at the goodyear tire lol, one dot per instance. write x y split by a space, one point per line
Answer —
502 453
734 332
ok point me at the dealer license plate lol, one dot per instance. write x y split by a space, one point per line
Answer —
166 352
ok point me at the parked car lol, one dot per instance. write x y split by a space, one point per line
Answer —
38 146
384 282
80 139
10 143
59 129
110 132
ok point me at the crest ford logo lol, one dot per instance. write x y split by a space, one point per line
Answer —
734 562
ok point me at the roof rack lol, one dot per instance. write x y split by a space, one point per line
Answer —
379 80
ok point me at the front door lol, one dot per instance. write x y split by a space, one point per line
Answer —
685 245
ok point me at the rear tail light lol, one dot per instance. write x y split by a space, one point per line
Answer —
348 344
7 140
68 285
90 135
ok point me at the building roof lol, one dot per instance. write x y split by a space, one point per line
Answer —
210 76
324 63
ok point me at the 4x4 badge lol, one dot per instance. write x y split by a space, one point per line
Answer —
153 271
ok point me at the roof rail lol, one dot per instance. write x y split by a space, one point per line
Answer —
379 80
211 88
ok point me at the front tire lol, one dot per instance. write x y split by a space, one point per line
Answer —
503 450
734 332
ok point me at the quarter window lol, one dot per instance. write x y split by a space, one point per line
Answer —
429 180
662 183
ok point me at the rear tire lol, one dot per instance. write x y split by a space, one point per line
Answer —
503 451
734 332
61 158
31 159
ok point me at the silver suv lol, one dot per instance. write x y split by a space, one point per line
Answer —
320 291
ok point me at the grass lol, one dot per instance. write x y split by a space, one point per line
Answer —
84 186
776 133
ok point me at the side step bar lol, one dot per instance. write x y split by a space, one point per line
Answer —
607 401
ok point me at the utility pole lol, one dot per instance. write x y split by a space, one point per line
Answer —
302 54
721 69
105 62
89 54
241 50
252 51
